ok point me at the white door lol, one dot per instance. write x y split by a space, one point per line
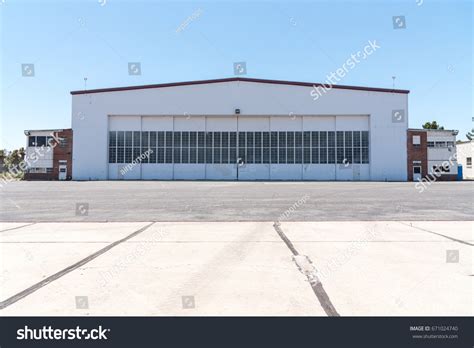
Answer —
62 172
416 173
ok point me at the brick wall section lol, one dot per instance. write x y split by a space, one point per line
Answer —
63 152
417 153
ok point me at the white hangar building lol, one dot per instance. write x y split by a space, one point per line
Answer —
240 129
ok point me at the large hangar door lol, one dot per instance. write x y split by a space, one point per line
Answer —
221 148
254 148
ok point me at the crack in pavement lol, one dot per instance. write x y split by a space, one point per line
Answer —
438 234
306 267
28 291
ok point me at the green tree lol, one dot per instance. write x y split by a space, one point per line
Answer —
470 135
432 125
14 158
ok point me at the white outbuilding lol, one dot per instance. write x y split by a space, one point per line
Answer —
240 129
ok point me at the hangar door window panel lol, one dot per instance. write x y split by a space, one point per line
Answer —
365 147
331 147
184 147
323 147
193 147
233 147
168 147
217 147
153 147
201 147
242 146
315 147
112 147
145 147
290 147
356 140
257 147
348 147
306 147
266 147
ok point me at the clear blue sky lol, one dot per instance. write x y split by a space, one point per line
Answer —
300 41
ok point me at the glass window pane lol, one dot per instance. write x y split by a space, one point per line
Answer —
217 155
177 140
185 155
323 140
273 155
331 139
201 139
323 155
365 155
128 139
137 139
290 141
40 141
340 139
153 140
168 139
168 153
120 155
232 155
331 155
233 139
209 142
365 138
306 154
266 155
356 156
298 139
208 153
32 141
217 141
356 139
120 139
340 155
225 139
112 139
160 155
266 139
348 139
299 155
225 155
290 155
314 139
201 154
315 155
307 139
185 139
192 139
112 154
274 140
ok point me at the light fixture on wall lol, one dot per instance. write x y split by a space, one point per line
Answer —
237 111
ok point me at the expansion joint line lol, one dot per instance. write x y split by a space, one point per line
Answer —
35 287
305 266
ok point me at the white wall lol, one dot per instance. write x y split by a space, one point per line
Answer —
388 157
465 150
